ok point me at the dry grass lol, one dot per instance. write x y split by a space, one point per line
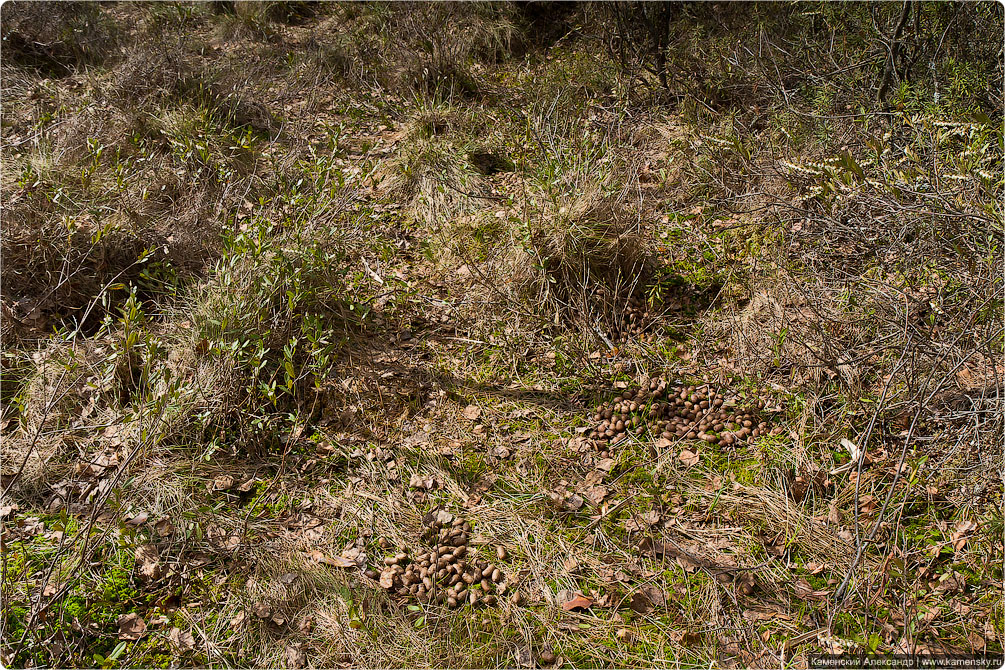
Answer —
593 242
377 286
440 66
57 39
433 180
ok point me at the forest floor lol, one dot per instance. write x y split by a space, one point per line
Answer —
327 344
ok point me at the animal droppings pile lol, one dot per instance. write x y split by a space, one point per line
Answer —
449 573
635 317
677 411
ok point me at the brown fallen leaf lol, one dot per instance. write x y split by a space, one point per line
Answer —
959 536
662 444
387 579
472 412
222 483
606 464
294 656
262 610
131 626
148 562
688 638
524 657
574 503
640 603
181 641
651 518
139 519
596 494
650 547
578 602
164 528
417 481
688 458
806 592
655 595
334 561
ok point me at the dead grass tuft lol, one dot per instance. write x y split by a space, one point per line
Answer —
594 242
782 518
441 66
433 179
57 38
56 396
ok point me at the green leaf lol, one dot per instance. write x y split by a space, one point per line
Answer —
849 163
982 118
120 648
